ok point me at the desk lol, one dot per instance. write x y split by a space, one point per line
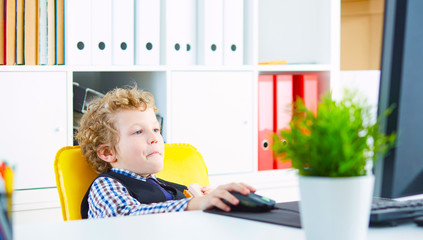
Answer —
185 225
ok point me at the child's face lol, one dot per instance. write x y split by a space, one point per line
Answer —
140 148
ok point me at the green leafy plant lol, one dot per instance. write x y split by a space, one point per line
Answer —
338 141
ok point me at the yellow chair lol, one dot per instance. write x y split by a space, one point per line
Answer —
183 164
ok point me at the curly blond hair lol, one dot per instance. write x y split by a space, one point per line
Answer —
98 125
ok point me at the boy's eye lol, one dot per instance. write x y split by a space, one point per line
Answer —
156 130
138 132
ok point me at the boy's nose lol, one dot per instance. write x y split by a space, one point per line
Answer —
153 138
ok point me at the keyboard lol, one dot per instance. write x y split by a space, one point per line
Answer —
391 212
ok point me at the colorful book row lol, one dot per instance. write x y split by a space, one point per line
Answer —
31 32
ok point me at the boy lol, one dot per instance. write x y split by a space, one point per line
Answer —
120 138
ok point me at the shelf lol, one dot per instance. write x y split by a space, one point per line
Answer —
163 68
129 68
117 68
211 68
158 68
34 68
294 68
54 68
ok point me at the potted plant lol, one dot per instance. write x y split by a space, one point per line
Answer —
331 150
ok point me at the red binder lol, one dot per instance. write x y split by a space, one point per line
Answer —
306 87
283 92
265 122
2 34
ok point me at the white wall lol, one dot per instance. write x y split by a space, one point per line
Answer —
365 82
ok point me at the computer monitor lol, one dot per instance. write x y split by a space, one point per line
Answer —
400 173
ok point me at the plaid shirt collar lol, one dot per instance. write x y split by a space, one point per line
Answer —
132 174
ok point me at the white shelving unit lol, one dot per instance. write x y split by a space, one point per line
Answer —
211 107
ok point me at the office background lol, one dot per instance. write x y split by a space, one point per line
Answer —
335 40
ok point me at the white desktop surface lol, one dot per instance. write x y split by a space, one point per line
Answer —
185 225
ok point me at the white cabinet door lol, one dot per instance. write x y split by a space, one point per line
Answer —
33 124
214 111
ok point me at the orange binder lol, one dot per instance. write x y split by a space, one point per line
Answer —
265 121
306 87
31 32
283 92
19 32
10 32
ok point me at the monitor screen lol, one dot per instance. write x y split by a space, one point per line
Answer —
400 172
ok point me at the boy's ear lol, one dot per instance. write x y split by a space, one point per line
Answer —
106 153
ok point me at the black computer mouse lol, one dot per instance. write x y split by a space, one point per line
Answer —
251 203
419 221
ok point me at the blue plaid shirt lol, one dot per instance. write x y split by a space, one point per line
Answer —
109 198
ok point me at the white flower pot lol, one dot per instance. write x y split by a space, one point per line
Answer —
335 208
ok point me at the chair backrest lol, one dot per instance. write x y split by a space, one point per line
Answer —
183 164
73 178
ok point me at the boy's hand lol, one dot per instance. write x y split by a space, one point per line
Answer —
214 197
195 190
206 190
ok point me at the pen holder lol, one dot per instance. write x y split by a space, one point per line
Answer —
6 193
6 216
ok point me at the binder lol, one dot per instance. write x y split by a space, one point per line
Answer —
10 31
43 33
78 32
101 34
179 32
306 87
283 92
265 121
233 32
147 32
210 32
31 32
60 32
2 42
123 32
51 32
19 32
